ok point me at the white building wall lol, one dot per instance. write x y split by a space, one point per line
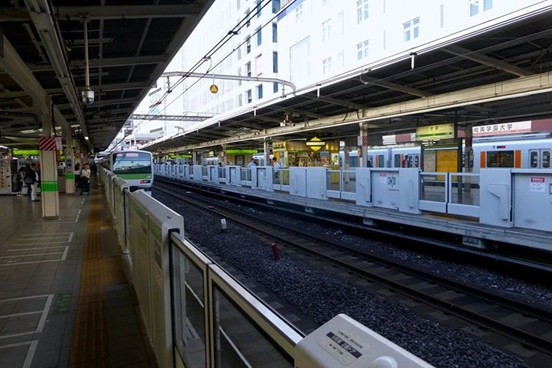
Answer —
309 32
383 28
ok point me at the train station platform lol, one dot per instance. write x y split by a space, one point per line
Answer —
64 297
478 210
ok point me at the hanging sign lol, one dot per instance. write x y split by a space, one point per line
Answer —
505 128
213 88
315 144
435 132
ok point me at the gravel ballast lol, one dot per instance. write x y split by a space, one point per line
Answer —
322 296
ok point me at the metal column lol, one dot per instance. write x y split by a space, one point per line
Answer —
69 173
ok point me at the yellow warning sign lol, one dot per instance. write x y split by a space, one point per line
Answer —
315 144
213 88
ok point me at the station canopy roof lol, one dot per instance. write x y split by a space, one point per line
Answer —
498 72
42 59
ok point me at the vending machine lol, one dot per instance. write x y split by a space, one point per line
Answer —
5 175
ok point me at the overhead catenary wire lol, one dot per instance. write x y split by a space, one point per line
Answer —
226 57
233 32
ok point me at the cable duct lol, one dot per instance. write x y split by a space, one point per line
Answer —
52 41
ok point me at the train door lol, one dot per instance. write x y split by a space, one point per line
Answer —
539 158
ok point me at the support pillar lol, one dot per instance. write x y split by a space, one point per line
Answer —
266 152
48 174
363 144
194 158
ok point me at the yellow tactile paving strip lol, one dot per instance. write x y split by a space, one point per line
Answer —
90 344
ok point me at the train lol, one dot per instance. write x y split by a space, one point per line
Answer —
530 151
133 166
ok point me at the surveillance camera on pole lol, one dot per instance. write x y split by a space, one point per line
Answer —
87 97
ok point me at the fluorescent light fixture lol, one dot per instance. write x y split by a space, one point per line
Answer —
86 137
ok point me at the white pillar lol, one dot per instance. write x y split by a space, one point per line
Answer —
48 173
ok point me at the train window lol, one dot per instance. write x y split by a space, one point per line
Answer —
397 159
131 163
380 161
534 158
545 159
500 159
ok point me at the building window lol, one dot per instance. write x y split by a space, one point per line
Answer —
479 6
259 8
259 91
299 60
362 11
239 53
274 32
275 62
326 30
240 101
248 45
248 69
362 50
298 13
239 74
259 65
248 18
411 29
326 65
275 6
442 14
249 96
238 4
275 87
259 37
341 58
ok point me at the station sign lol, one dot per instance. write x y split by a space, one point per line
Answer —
279 145
315 144
504 128
435 132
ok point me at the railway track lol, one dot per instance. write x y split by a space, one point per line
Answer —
526 325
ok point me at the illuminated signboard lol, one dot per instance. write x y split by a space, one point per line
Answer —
241 151
25 152
505 128
315 144
435 132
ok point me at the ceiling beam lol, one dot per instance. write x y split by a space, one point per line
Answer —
106 63
395 87
486 60
336 101
127 11
105 103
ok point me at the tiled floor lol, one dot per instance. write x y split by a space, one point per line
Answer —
40 283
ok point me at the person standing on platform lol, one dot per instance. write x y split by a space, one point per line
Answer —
93 168
77 172
28 180
19 177
85 180
33 174
276 168
252 164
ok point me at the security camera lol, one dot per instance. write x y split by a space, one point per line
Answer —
87 97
